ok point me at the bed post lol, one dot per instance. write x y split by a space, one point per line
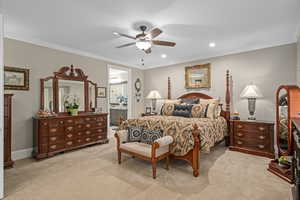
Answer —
169 88
196 151
227 109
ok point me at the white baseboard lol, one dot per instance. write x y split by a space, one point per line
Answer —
21 154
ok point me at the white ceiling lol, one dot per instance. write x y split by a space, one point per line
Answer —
86 27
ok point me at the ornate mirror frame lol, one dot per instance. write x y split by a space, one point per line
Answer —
67 73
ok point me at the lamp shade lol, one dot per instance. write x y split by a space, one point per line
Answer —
154 94
251 91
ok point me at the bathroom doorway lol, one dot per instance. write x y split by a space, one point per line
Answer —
119 95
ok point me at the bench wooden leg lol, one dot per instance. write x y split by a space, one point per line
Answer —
154 169
167 162
119 156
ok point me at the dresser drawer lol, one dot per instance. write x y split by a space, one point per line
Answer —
88 139
54 123
70 143
56 147
69 128
70 136
255 145
56 139
56 131
88 132
100 130
69 121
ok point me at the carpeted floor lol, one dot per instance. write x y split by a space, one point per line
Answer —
93 174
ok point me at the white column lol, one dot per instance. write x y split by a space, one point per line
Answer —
1 107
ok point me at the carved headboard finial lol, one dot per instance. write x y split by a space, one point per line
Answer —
169 88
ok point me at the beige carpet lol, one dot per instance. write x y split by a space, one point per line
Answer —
93 174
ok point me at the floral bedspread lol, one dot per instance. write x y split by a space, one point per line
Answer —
180 128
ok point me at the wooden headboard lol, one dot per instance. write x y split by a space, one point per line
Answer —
225 112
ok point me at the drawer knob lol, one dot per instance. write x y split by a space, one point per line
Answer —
88 125
45 123
79 133
53 146
99 136
88 132
69 143
70 135
240 126
239 142
240 134
261 128
87 119
70 121
88 139
78 140
61 122
79 126
262 137
53 138
52 130
261 146
70 128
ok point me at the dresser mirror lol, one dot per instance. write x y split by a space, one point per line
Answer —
283 130
68 85
48 94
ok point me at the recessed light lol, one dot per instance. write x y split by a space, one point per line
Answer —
212 44
163 55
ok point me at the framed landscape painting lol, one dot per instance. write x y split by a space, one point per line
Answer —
16 78
197 76
101 92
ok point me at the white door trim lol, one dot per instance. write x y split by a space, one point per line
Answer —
1 109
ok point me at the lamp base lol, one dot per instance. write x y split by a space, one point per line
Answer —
251 118
251 108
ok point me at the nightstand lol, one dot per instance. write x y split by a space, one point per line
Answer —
252 137
149 114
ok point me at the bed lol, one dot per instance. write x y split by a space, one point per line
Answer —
191 135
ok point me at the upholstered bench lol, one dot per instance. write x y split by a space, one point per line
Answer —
154 152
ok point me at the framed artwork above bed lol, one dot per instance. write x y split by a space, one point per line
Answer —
197 76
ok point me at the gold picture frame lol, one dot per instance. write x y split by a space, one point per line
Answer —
197 76
16 78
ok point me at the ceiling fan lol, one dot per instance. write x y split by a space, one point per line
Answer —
144 41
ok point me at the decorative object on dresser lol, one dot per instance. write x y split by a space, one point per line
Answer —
148 114
7 130
251 92
16 78
154 95
101 92
198 76
253 137
287 107
61 131
138 87
148 110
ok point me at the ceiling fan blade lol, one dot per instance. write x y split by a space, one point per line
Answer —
148 51
154 33
124 35
163 43
126 45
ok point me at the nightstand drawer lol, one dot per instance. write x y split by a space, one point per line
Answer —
253 145
253 127
260 136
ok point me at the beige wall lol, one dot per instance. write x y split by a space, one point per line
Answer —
298 60
43 62
268 68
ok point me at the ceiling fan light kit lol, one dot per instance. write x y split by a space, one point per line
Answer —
144 41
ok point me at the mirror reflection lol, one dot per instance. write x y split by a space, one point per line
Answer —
70 93
92 96
283 120
48 95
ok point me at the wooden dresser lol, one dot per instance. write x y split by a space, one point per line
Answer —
253 137
53 135
7 130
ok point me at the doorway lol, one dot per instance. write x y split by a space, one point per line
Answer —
119 98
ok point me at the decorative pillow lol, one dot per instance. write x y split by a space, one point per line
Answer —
182 110
167 109
149 136
212 107
190 101
173 101
198 110
134 133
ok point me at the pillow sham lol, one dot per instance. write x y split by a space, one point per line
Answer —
212 107
134 133
182 110
167 109
198 111
149 136
190 101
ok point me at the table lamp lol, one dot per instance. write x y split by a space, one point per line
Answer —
153 95
251 92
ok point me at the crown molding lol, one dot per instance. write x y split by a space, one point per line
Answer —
68 50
